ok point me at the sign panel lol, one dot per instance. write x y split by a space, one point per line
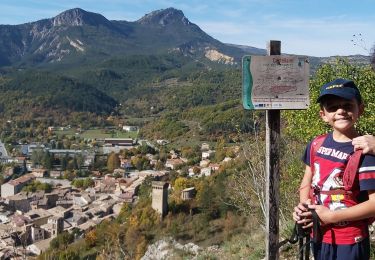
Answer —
275 82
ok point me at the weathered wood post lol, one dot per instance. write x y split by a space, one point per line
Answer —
272 171
274 83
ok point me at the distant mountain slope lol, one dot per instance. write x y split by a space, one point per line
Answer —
41 91
77 36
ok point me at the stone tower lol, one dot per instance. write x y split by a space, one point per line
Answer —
57 225
160 197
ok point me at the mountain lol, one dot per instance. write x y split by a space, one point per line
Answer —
77 36
159 63
80 37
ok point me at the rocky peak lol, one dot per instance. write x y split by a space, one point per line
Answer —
79 17
164 17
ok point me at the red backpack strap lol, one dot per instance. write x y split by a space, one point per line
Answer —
351 170
314 147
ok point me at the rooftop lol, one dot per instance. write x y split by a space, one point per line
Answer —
21 180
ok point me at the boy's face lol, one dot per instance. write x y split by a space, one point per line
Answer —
341 114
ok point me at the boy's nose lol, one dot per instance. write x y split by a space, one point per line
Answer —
340 110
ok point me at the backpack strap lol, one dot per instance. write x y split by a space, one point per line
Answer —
351 170
314 147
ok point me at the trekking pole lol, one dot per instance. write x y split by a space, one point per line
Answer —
307 249
298 235
293 238
300 241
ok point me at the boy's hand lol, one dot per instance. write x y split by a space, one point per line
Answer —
366 143
324 213
302 215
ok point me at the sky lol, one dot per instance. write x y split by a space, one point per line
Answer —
304 27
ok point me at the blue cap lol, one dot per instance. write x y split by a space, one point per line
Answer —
341 88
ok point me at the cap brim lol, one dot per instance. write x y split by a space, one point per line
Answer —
349 95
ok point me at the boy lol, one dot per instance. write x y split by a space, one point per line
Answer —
343 217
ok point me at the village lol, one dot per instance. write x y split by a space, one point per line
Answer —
31 218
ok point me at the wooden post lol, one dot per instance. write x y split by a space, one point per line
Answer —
272 172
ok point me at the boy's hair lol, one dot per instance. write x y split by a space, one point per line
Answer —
340 88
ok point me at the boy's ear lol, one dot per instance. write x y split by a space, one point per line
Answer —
323 116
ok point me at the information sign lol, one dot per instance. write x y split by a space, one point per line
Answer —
275 82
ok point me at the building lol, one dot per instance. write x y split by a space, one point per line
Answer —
129 128
206 171
29 149
20 202
160 197
54 226
173 163
15 186
162 142
205 147
37 234
119 141
207 154
40 173
204 163
188 193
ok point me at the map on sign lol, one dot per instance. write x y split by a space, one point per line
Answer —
275 82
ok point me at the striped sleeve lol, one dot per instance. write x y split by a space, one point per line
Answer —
367 173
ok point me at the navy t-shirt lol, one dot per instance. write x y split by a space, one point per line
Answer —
330 161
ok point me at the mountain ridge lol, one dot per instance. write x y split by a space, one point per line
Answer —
77 35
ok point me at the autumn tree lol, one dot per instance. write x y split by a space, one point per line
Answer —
91 238
113 162
140 162
220 151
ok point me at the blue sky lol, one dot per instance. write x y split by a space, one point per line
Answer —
305 27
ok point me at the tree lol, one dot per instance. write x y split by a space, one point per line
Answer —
140 162
37 156
79 160
47 160
64 162
78 183
220 150
305 124
62 240
180 184
113 162
145 149
88 182
37 185
75 163
91 238
373 58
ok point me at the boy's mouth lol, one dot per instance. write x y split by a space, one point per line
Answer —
343 119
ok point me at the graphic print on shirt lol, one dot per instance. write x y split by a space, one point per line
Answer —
332 181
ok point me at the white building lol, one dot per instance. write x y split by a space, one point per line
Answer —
207 154
129 128
206 171
162 142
